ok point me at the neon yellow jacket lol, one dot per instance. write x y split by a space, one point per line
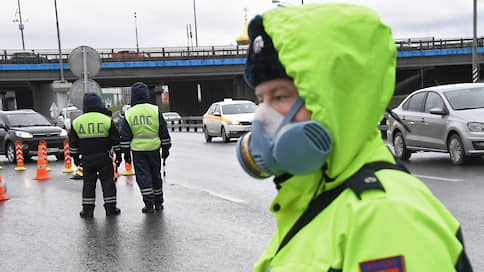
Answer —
343 61
144 123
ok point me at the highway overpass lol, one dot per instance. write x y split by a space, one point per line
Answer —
217 71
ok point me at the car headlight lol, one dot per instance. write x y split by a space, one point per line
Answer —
23 134
229 122
63 132
476 126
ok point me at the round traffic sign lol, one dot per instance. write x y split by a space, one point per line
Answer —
84 59
79 88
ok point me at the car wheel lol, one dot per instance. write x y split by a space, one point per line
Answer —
11 153
59 156
208 138
456 150
401 150
225 137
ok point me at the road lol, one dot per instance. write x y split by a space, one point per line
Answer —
216 218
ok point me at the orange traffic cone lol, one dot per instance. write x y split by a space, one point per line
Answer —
67 158
44 151
2 191
41 163
19 156
129 169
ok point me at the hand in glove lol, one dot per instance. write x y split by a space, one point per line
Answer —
127 157
165 153
76 159
119 159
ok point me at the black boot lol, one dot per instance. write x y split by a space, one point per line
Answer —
148 209
87 211
111 210
158 206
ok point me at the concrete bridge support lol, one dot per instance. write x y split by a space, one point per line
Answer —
46 95
43 97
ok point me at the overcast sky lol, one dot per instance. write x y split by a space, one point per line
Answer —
162 23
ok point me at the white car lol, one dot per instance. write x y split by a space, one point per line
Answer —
65 116
228 119
171 116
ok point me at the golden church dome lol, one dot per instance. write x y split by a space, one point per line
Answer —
243 37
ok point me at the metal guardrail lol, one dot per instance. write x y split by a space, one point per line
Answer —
430 43
206 52
146 54
185 124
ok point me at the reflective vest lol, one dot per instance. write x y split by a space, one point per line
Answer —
144 123
92 125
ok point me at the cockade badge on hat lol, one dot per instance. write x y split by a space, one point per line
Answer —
258 44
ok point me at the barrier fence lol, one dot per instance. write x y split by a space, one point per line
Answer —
185 124
204 52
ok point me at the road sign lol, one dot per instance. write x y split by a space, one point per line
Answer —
53 110
84 62
79 88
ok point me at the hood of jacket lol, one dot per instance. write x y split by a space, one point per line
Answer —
344 69
93 103
139 94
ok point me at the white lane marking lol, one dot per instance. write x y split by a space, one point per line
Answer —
226 197
439 178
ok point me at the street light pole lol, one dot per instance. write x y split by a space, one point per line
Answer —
195 16
59 42
21 25
475 66
136 29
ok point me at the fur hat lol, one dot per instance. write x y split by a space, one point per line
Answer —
262 61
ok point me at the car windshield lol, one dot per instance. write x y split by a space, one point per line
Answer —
27 120
239 108
466 99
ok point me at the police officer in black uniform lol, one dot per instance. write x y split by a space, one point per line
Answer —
92 136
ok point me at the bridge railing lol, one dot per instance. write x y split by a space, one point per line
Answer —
185 124
431 43
204 52
146 54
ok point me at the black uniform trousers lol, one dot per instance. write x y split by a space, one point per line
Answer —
147 165
92 164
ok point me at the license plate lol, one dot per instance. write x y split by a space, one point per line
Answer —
52 150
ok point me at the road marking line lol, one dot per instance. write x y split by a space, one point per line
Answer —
439 178
229 198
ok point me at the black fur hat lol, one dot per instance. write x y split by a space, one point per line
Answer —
262 61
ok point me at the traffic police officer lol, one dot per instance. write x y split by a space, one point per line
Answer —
144 131
92 136
324 74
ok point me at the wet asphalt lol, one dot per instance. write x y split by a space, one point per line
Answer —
216 218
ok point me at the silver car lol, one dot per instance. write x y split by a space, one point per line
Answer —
446 118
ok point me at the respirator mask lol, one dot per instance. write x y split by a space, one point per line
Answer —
276 145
